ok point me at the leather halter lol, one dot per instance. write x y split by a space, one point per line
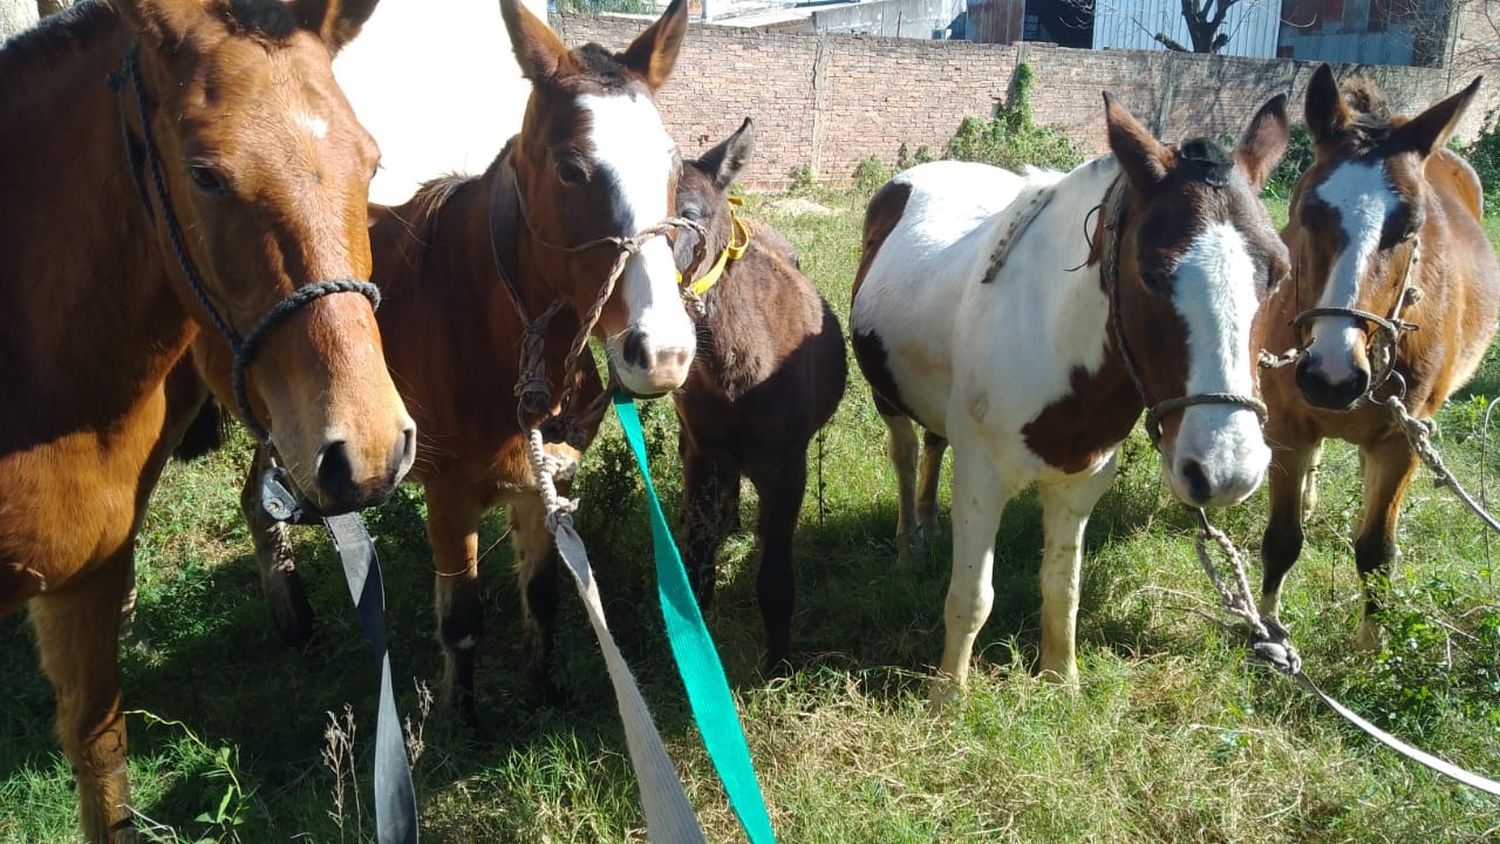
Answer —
1112 222
243 347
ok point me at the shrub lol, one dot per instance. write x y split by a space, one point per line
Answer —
1299 157
804 179
1484 154
906 159
1011 138
870 174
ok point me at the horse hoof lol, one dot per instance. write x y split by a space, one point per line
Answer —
910 552
941 693
1368 638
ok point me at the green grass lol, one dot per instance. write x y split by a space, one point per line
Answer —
1171 737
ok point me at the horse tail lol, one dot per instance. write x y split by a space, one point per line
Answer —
204 434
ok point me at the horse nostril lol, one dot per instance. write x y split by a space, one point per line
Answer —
403 454
336 473
634 350
1197 481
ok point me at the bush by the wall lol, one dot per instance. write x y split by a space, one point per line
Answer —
1299 157
870 174
1011 138
1484 154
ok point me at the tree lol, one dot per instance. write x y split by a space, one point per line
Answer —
1205 27
20 15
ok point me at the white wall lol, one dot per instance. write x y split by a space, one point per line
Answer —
436 84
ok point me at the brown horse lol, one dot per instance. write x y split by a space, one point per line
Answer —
592 161
221 183
1384 229
770 372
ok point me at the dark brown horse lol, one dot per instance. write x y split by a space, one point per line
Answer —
769 373
592 161
1385 215
221 183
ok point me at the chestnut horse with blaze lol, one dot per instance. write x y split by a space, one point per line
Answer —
1395 292
982 313
219 181
593 161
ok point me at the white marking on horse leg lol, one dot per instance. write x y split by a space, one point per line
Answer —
1066 505
901 447
979 497
1215 294
1362 197
1270 604
629 145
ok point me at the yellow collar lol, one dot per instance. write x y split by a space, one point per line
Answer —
739 241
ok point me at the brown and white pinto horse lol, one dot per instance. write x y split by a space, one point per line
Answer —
593 160
224 173
770 372
1384 207
982 313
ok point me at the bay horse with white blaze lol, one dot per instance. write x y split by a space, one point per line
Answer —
592 162
986 311
221 183
1385 237
769 372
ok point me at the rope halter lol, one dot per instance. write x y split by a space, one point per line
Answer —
243 347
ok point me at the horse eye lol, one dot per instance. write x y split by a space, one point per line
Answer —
692 212
571 174
205 179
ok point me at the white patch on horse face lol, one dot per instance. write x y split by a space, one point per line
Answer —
1361 195
628 144
315 125
1214 293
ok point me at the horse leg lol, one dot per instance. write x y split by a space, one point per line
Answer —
1066 505
979 497
1389 466
901 447
933 447
453 532
77 631
280 581
1310 485
537 572
711 498
1282 542
780 484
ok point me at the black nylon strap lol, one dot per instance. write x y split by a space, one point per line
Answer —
395 799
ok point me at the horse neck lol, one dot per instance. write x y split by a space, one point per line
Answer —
82 278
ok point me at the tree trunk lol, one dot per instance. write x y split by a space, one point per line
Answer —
16 16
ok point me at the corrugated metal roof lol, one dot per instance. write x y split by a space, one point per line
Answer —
1253 26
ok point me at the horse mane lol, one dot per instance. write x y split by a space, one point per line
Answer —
1365 97
67 31
597 70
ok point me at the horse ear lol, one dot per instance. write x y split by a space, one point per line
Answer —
540 53
1324 110
1430 129
167 22
725 161
1264 142
1145 160
338 21
654 52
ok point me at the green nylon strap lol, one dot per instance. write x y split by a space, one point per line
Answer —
697 660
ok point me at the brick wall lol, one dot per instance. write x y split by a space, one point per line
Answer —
829 101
